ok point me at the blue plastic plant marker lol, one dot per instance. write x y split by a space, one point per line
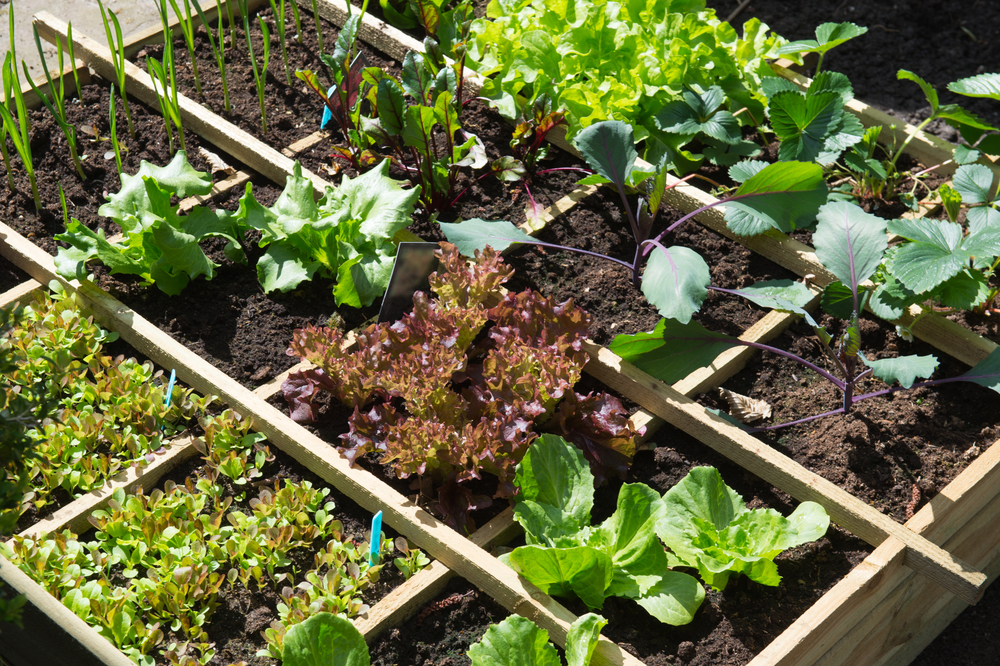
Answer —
327 116
170 388
376 538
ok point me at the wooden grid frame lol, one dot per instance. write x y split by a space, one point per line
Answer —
884 612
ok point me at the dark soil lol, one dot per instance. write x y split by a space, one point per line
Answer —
10 275
931 39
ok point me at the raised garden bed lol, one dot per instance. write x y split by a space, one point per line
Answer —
939 543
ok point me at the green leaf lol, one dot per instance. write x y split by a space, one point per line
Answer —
582 639
178 178
609 148
784 195
849 242
986 372
628 536
517 641
933 255
698 113
673 598
981 85
324 639
672 350
974 182
391 106
579 571
708 526
904 369
676 281
803 123
966 155
828 35
785 295
964 291
418 123
928 89
838 300
557 491
476 234
741 171
890 300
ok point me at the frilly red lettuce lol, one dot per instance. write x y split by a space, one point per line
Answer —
458 388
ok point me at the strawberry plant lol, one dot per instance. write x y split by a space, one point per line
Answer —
440 400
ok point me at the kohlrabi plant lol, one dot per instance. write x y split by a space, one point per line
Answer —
445 404
852 245
673 279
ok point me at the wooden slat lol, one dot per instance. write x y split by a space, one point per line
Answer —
154 34
403 602
51 633
440 541
31 98
854 515
18 293
866 597
389 40
258 155
74 515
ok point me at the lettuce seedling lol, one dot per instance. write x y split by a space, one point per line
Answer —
346 236
444 402
782 195
517 640
159 245
707 526
621 557
603 60
851 244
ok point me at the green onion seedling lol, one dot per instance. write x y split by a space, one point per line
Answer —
278 9
319 29
19 130
114 130
259 74
57 106
117 45
218 48
187 29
